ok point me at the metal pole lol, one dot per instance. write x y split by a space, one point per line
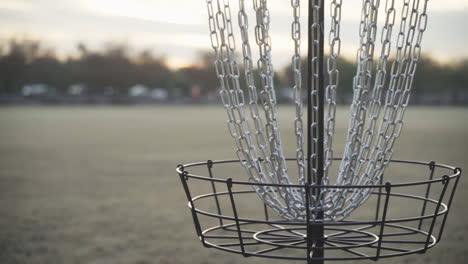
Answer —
315 114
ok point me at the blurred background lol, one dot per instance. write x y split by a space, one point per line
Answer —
110 52
101 99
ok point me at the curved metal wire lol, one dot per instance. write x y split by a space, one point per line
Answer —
219 222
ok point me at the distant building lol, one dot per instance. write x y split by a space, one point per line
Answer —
77 89
109 91
138 90
195 91
36 89
159 94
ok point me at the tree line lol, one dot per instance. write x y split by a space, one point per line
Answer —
118 68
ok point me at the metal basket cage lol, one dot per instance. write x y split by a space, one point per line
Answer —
382 232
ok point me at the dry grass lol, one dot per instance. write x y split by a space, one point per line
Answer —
97 185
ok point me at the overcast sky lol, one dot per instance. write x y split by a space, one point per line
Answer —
178 29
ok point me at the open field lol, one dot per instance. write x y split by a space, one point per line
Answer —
97 184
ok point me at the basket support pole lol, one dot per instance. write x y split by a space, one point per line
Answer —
314 231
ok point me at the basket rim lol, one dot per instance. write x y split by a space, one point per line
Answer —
181 170
377 223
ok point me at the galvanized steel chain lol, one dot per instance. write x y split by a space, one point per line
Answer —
367 152
361 84
333 81
268 173
361 87
268 96
264 162
372 111
375 105
297 88
227 71
402 76
366 160
398 92
397 96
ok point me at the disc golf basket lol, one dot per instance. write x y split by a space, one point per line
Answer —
312 213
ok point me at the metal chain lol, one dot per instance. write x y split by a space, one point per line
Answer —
361 85
374 106
367 153
375 103
399 91
297 88
397 96
268 96
268 173
330 91
223 44
253 94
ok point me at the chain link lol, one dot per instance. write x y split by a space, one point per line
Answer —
297 88
269 171
377 156
268 97
330 91
381 96
232 97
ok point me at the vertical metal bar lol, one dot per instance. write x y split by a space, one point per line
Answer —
317 132
457 172
321 101
434 218
234 211
388 188
428 190
265 210
183 178
309 129
377 209
308 225
309 92
209 164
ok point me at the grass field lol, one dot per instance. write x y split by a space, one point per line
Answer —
97 184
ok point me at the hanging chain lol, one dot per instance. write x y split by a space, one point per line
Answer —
374 107
333 81
367 152
403 71
365 158
268 174
297 88
375 103
361 83
232 97
397 97
267 170
268 96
